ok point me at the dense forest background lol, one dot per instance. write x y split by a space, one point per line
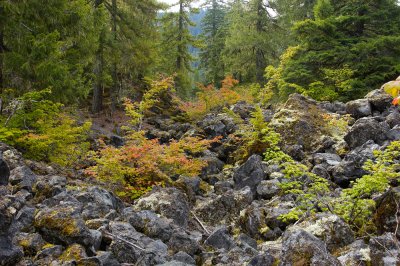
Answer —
97 52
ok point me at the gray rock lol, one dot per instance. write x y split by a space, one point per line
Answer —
53 251
393 118
251 173
379 100
49 186
365 129
351 167
385 250
394 133
359 108
214 166
24 219
168 202
295 151
146 250
184 257
268 189
302 248
262 260
330 228
4 172
22 178
217 125
330 159
333 107
153 226
9 253
63 224
174 263
182 241
243 109
321 170
220 239
357 253
106 258
31 243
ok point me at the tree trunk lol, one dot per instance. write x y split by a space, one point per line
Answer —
114 88
180 38
260 59
97 104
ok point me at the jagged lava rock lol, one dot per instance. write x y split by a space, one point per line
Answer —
251 173
4 172
364 129
359 108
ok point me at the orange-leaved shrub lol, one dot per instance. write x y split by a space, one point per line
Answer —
141 163
209 97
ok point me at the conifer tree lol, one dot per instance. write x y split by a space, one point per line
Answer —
175 43
214 29
250 44
349 48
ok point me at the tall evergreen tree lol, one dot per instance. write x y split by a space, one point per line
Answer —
349 48
250 43
175 43
47 46
214 29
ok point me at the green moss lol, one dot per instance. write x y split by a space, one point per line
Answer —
58 220
74 252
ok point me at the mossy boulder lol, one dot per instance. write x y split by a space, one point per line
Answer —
63 224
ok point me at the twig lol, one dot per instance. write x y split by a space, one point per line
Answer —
201 224
397 217
126 241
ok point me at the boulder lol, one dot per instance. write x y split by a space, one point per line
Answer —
10 254
31 243
153 226
250 174
330 159
49 186
22 178
379 100
4 172
387 215
302 248
168 202
182 241
359 108
351 167
268 189
368 128
357 253
63 224
184 258
220 209
243 109
333 107
393 118
220 239
330 228
130 246
394 133
214 125
385 250
262 260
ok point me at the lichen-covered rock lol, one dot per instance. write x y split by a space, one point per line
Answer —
168 202
302 248
63 224
11 156
262 260
184 257
330 228
357 253
130 246
182 241
387 212
151 225
365 129
31 243
251 173
22 178
359 108
220 239
220 209
268 189
379 100
351 167
10 254
333 107
243 109
385 250
49 186
217 125
98 202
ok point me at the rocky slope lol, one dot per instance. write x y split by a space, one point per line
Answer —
226 216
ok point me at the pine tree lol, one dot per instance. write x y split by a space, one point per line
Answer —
250 44
349 48
47 46
175 43
214 29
